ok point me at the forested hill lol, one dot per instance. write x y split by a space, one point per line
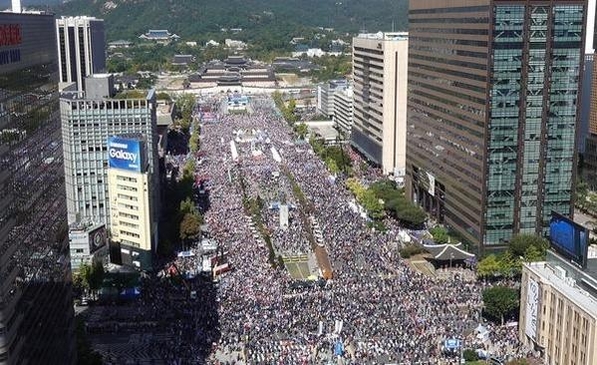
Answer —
268 20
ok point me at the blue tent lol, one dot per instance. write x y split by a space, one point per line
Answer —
339 348
452 344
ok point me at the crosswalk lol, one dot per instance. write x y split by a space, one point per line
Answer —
138 350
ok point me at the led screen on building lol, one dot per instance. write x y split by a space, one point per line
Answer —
126 154
98 238
568 239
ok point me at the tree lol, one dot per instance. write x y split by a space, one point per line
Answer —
440 235
302 130
500 301
96 275
470 355
582 193
519 244
510 265
372 204
489 266
533 254
410 214
188 206
190 226
332 166
194 141
386 190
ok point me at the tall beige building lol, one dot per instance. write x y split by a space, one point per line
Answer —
558 311
380 64
131 205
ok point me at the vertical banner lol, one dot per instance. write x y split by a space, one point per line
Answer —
532 311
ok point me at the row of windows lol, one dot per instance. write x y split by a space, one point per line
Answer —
126 188
126 178
129 216
127 197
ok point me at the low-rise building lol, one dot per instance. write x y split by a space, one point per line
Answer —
234 44
558 314
161 36
88 242
183 60
343 111
325 96
119 44
234 71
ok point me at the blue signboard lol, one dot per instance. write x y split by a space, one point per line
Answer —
126 154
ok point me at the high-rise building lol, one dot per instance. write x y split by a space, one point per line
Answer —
81 49
131 200
589 105
380 86
88 119
493 112
587 80
36 312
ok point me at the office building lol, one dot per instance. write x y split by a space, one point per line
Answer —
343 111
325 96
88 119
493 112
588 134
36 312
558 316
81 49
87 241
131 200
380 85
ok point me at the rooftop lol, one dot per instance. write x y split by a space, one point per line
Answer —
567 286
158 34
386 36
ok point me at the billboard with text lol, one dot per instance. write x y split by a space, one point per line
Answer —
126 154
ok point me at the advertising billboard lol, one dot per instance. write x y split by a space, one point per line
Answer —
126 154
569 239
98 238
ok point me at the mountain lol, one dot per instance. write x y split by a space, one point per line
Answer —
275 20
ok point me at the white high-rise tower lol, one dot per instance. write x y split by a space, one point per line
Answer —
81 49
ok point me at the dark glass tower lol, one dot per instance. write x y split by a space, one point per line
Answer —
492 113
36 312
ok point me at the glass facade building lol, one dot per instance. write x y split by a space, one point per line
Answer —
493 112
36 312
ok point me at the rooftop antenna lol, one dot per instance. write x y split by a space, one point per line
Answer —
16 6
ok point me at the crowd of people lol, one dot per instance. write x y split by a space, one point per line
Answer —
375 310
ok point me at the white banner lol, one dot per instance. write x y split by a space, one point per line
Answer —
431 189
530 327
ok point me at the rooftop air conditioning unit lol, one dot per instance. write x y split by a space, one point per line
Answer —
560 272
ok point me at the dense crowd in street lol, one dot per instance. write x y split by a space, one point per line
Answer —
375 310
377 307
